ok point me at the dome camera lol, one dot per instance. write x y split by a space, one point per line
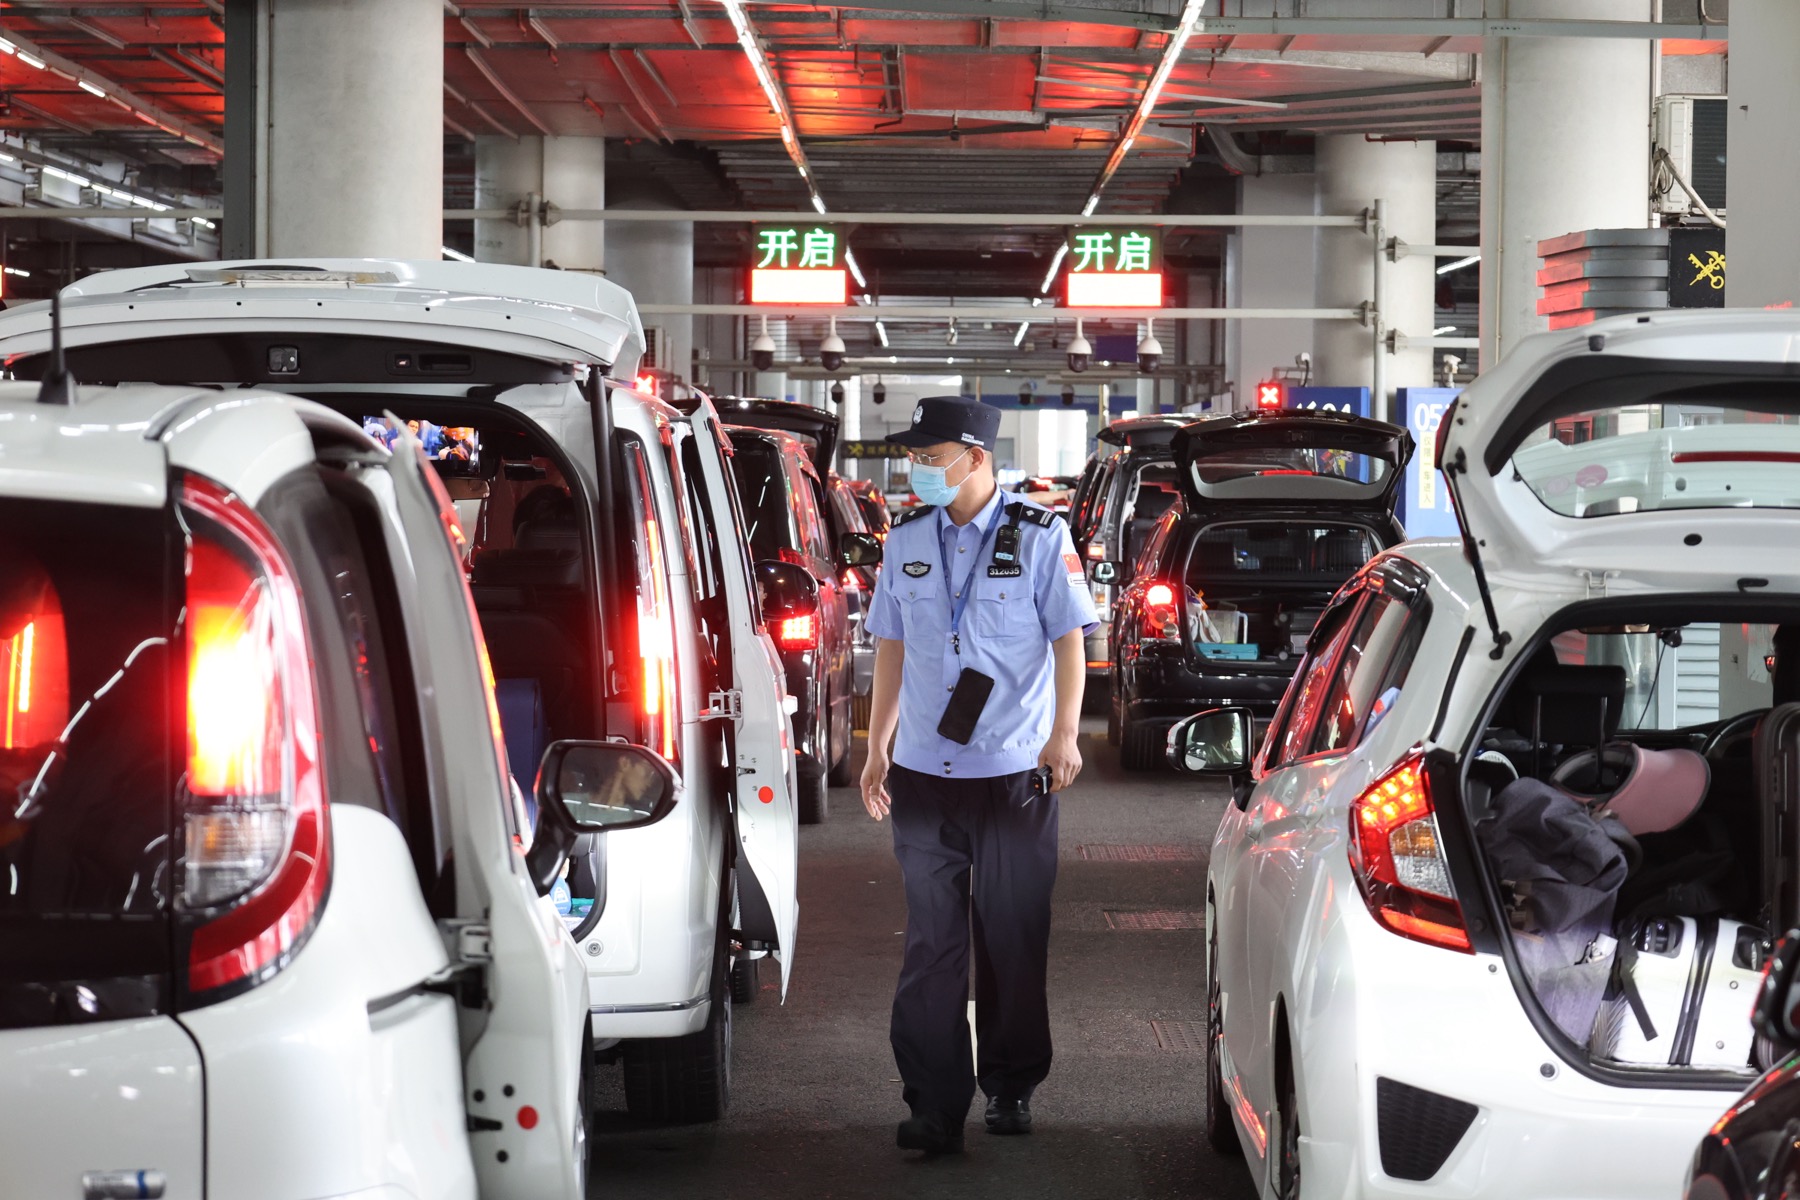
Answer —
762 350
1068 395
1080 353
1024 396
878 394
1149 354
831 350
837 392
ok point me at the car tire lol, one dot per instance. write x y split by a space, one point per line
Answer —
744 981
1284 1139
1221 1133
839 775
1141 745
687 1080
812 804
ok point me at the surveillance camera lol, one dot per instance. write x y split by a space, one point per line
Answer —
831 352
1080 353
1068 395
879 393
762 352
837 392
1149 355
1024 397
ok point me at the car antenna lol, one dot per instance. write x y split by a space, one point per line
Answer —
58 386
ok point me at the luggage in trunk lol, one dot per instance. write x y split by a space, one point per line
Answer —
1685 989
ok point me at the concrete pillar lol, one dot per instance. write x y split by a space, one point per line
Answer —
568 172
356 128
1565 146
654 261
1353 173
1762 252
1271 268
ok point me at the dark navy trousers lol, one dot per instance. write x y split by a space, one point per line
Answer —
979 859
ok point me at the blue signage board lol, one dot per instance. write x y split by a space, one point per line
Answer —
1424 507
1352 400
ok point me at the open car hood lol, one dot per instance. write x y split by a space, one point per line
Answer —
788 416
185 322
1280 460
1662 450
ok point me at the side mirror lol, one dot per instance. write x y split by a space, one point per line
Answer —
1215 742
594 787
786 590
1777 1013
1106 572
859 550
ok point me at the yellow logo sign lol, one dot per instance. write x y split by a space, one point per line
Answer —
1711 271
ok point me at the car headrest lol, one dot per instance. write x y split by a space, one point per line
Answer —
1576 704
527 567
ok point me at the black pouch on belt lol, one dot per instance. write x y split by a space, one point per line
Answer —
966 702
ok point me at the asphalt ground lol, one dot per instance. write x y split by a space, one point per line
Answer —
815 1095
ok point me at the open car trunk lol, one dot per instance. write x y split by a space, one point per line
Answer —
1638 887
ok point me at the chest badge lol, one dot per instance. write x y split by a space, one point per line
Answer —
916 569
999 572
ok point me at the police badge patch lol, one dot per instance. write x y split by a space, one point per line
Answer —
916 569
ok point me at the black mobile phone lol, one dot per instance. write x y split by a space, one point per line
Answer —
1040 782
964 709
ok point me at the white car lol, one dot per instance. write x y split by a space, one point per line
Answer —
1392 1012
601 529
267 927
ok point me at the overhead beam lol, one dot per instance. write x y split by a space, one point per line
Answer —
493 77
117 92
1457 27
1171 55
979 312
736 217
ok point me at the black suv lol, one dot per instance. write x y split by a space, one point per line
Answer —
1276 512
788 517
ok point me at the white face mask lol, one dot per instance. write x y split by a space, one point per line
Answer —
928 482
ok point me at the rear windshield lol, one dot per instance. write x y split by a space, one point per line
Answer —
87 760
1279 551
762 489
1301 466
1609 461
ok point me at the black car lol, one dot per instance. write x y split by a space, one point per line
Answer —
1126 486
1753 1151
787 512
1277 511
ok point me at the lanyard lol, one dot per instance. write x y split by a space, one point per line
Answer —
959 597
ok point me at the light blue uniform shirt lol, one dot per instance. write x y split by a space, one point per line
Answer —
1007 627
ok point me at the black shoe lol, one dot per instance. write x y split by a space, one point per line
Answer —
931 1132
1009 1115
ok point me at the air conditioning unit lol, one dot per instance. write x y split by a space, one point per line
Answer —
1692 129
656 349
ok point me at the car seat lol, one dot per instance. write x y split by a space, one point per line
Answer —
1340 552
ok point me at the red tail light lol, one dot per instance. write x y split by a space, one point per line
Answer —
1161 620
257 838
35 662
798 633
656 643
1398 857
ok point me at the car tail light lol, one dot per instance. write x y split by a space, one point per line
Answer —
798 633
1161 620
1097 551
656 645
1398 857
257 837
35 662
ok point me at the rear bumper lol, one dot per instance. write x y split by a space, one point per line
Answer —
1164 684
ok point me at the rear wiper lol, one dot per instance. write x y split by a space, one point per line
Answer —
1460 466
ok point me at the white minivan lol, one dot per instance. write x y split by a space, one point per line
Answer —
616 595
270 918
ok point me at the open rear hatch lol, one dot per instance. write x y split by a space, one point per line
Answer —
1658 449
1257 461
814 424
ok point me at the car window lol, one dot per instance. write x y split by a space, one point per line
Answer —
369 711
1293 732
1366 678
90 743
700 533
1085 516
1156 546
762 485
809 502
658 702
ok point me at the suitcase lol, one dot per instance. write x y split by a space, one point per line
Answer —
1776 753
1683 994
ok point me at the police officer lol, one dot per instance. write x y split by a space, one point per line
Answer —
980 610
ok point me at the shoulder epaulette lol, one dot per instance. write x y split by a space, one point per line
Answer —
1021 511
913 514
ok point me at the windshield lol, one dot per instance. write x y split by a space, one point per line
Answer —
1610 461
762 490
87 761
1339 466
